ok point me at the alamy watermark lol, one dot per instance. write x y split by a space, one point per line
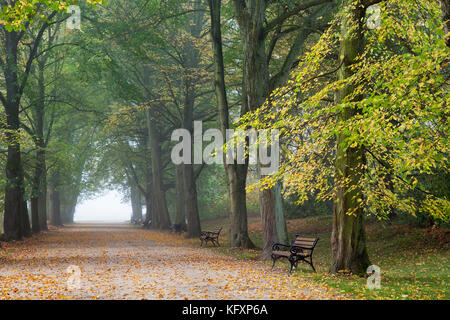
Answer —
374 17
74 280
74 21
374 279
263 147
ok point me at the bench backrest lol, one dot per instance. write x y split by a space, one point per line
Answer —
217 230
304 243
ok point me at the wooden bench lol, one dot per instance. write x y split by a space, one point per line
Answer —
212 236
301 249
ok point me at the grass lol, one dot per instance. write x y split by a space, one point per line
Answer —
414 261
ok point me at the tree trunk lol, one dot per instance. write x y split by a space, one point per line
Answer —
192 61
193 225
256 81
148 222
42 200
150 215
68 197
190 188
35 225
270 236
41 169
180 212
136 205
55 213
236 173
279 215
16 221
163 221
348 239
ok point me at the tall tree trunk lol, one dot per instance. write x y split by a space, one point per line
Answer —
192 61
68 196
35 225
251 25
55 212
236 173
16 221
42 200
279 215
270 235
180 212
41 170
158 192
136 205
193 218
348 240
190 188
150 215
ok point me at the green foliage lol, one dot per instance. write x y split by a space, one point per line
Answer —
16 16
213 198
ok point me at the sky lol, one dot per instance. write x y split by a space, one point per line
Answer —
106 207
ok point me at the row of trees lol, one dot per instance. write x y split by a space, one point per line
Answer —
362 112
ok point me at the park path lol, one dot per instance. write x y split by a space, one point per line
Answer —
118 261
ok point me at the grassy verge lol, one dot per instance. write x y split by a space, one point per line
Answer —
414 261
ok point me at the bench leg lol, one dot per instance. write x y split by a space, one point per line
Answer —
274 260
311 263
293 263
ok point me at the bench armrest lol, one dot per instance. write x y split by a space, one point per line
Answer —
279 246
296 250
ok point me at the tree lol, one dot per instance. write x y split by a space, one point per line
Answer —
348 240
236 173
260 81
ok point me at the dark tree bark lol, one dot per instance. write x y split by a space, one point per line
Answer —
163 219
236 173
35 225
191 59
151 218
16 222
39 186
40 174
180 212
55 213
193 218
348 240
136 205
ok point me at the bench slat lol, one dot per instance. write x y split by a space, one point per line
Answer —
305 239
282 253
303 243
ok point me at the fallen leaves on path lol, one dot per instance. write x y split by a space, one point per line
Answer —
121 262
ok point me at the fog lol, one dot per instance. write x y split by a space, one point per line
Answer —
106 207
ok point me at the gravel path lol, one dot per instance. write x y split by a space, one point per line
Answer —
118 261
